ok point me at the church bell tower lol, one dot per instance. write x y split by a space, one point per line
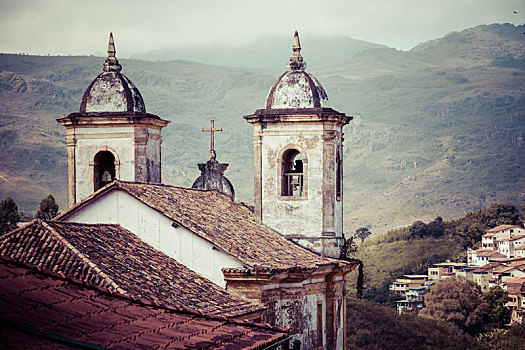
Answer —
112 137
298 161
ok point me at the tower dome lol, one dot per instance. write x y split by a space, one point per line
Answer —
112 91
296 88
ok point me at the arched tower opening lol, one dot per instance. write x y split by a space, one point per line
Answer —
292 173
104 169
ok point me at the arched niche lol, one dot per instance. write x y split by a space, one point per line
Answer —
292 173
104 168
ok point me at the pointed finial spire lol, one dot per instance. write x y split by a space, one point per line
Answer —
111 63
296 60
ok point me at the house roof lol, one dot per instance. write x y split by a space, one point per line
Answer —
515 238
501 228
47 310
504 269
490 254
515 280
228 225
487 267
110 256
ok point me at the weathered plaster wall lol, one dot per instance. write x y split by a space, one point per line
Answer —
317 212
137 151
119 140
154 228
295 304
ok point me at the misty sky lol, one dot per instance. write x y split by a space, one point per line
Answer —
81 27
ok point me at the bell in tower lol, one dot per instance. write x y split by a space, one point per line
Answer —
298 142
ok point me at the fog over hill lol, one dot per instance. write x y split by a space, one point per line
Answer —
269 54
438 130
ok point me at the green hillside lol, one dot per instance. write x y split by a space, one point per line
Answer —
438 129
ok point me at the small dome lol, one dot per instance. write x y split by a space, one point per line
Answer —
212 178
296 88
112 91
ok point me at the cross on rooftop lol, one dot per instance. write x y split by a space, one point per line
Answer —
212 130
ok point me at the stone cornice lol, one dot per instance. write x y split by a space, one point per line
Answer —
116 118
298 115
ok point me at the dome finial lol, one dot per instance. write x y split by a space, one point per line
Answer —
296 60
111 63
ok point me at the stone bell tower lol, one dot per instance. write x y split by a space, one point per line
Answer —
298 155
112 137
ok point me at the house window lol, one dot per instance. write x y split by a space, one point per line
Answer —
293 176
104 171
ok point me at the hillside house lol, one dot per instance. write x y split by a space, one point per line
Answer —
402 285
515 287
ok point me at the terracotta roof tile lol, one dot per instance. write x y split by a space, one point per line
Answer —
110 256
228 225
501 228
70 314
491 254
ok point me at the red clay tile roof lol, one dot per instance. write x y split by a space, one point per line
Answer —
112 257
491 253
515 280
45 310
228 225
504 269
487 267
501 228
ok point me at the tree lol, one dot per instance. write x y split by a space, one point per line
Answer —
418 229
9 216
497 314
457 301
362 233
48 208
436 228
349 247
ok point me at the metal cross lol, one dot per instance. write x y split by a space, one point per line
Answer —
212 130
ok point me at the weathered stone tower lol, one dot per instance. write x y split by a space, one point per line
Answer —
112 136
298 149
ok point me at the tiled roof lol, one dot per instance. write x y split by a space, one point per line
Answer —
515 280
504 269
45 310
112 257
491 253
228 225
487 267
501 228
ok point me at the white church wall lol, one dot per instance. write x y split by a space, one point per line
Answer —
156 229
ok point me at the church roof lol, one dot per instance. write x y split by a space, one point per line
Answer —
110 256
112 91
230 226
296 88
48 310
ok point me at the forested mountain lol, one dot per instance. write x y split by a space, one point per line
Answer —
438 130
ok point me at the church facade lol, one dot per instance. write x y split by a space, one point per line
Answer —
284 255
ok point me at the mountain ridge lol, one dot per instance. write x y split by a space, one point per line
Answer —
431 136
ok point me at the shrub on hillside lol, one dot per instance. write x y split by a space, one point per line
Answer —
373 326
